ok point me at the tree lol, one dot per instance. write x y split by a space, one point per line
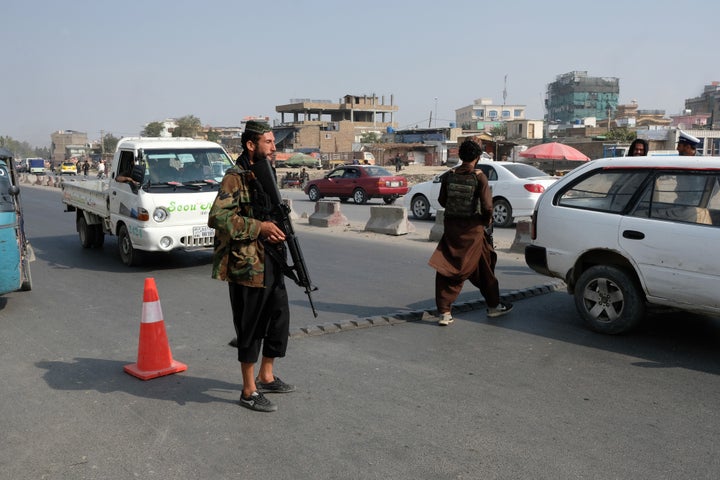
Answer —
499 131
621 134
153 129
109 143
213 135
370 137
187 126
19 149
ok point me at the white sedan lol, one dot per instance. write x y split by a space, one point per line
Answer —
516 188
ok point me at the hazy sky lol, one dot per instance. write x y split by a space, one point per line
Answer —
113 66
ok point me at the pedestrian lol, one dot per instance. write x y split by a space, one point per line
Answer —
398 163
248 254
465 252
101 169
638 148
86 168
687 145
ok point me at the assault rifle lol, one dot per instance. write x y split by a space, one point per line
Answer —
281 215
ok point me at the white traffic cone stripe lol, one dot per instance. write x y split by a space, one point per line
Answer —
152 312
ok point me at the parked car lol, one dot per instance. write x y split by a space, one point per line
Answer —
624 233
68 168
516 188
359 182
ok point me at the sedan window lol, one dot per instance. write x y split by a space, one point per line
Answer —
681 198
607 191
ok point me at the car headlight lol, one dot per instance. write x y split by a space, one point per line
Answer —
160 214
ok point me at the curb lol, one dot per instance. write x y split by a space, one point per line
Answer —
417 315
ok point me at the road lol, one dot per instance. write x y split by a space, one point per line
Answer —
533 395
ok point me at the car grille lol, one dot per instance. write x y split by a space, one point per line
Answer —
197 242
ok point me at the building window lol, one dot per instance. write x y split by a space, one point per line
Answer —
506 114
493 113
479 113
518 113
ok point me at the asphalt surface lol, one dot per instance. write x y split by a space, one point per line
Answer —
529 395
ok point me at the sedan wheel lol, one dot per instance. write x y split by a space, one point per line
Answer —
360 196
314 194
609 300
502 213
420 207
389 199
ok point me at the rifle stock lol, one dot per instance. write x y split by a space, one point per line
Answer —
298 271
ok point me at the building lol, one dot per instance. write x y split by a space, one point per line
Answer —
483 114
707 103
524 130
574 96
66 144
308 125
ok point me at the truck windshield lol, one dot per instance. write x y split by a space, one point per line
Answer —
186 165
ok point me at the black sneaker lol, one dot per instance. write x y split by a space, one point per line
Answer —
501 309
276 386
257 402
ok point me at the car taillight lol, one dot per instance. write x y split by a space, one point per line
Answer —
534 188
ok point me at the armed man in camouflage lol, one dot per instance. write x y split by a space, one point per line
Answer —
249 252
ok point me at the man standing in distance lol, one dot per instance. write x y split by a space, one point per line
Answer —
464 252
249 251
638 148
687 145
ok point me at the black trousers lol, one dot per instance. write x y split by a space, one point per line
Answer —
261 316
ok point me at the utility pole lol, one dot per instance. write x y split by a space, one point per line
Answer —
102 144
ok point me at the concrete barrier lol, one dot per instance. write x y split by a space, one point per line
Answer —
288 201
390 220
327 214
437 230
522 236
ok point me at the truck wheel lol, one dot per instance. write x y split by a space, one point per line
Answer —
128 254
85 232
609 300
98 236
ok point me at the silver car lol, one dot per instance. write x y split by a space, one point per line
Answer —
516 188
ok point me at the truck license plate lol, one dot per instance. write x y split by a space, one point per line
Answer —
203 232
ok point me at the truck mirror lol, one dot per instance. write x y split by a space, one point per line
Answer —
138 173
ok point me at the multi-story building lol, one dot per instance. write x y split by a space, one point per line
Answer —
483 114
65 144
574 96
326 127
708 102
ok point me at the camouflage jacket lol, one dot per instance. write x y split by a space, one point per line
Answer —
239 256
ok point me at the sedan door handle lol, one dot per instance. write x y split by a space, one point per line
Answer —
633 235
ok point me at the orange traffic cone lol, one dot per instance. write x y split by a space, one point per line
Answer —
154 357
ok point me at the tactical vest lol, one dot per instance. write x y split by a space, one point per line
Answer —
462 195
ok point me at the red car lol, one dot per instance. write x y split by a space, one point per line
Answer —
361 182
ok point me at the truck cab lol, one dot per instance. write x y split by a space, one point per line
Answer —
161 191
156 197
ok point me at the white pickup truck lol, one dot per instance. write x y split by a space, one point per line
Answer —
155 198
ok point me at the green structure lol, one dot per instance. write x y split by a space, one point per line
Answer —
574 96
